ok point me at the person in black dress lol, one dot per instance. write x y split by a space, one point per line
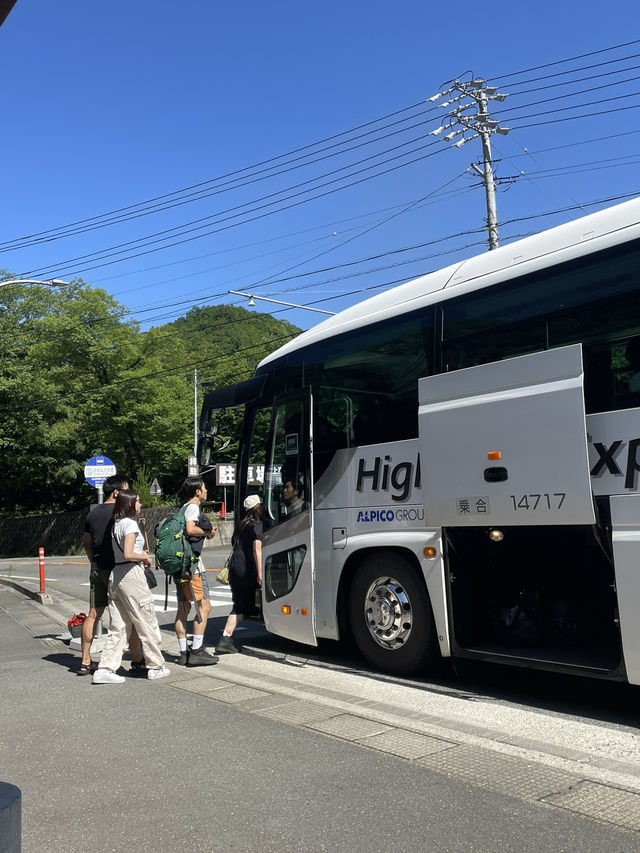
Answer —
245 571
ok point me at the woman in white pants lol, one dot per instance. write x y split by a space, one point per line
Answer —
130 600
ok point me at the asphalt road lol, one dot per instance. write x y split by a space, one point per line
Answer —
612 705
165 766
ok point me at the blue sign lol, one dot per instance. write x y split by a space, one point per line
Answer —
97 469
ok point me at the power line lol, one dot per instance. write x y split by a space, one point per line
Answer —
139 242
188 367
568 59
181 261
210 296
397 250
136 207
190 301
137 210
573 118
536 103
510 117
575 81
60 265
202 184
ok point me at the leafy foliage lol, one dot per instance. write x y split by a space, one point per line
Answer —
78 379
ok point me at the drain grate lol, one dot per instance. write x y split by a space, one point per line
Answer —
238 693
406 744
298 713
484 768
201 684
612 805
349 727
37 622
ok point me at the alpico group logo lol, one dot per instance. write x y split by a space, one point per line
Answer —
377 516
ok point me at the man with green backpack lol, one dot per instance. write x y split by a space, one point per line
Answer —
176 556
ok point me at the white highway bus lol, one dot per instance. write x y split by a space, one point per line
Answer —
466 448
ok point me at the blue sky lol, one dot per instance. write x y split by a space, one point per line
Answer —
109 104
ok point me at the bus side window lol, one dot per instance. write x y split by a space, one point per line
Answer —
365 423
332 428
625 373
598 379
632 353
287 459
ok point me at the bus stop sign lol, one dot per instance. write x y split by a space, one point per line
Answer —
97 469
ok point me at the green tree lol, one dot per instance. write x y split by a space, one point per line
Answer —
230 342
78 379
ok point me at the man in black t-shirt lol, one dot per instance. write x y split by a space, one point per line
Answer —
97 542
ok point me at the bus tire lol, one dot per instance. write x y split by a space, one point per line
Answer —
390 615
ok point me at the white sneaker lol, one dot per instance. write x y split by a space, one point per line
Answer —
105 676
158 672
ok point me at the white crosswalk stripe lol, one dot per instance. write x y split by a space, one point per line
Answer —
216 596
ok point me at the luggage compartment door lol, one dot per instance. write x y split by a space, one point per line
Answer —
506 444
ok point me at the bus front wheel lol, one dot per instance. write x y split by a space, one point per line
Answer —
390 615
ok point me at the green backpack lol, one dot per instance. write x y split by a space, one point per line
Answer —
174 554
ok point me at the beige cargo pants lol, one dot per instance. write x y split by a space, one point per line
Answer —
130 601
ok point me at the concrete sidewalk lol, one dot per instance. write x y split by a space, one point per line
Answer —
58 607
61 607
67 604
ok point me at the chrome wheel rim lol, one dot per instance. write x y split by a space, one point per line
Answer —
388 613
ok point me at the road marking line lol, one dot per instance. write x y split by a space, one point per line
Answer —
25 578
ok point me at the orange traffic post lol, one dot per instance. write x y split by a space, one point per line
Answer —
41 562
222 515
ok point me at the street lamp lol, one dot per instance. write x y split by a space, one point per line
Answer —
55 282
252 296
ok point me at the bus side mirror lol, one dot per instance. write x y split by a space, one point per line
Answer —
208 430
203 450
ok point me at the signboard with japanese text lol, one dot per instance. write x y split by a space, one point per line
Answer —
97 469
226 475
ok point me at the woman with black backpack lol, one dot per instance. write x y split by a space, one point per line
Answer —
245 571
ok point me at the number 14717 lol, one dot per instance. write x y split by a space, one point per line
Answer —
545 501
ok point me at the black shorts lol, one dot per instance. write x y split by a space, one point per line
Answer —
99 587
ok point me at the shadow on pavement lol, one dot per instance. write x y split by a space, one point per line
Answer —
66 659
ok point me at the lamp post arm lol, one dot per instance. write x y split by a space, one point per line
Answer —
280 302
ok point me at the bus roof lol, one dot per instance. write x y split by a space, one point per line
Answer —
582 236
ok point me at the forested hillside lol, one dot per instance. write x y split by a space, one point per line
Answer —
79 378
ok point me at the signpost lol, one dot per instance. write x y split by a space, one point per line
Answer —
96 471
155 490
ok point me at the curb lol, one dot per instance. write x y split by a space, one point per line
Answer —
40 597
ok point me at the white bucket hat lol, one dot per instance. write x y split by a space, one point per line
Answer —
251 501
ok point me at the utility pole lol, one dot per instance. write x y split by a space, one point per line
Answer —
474 95
195 412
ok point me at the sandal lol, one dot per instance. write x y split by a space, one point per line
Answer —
138 667
85 669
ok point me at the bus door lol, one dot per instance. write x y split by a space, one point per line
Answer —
506 443
287 545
